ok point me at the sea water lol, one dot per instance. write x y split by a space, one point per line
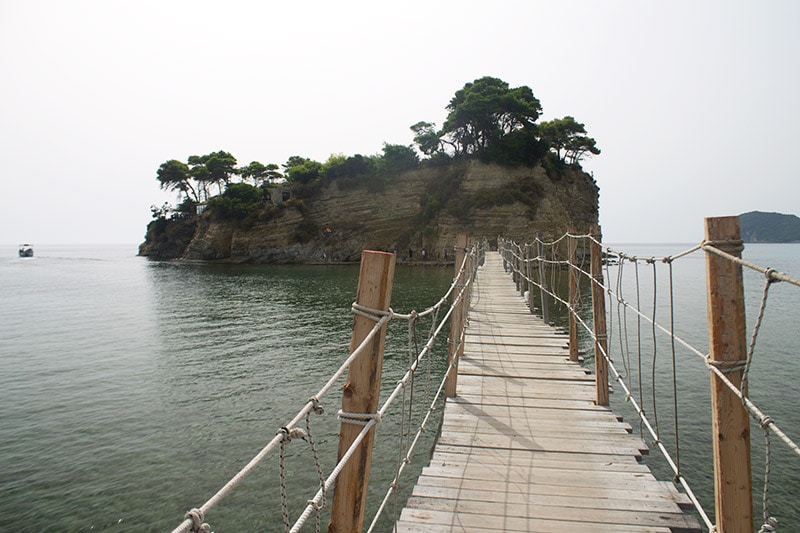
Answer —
131 390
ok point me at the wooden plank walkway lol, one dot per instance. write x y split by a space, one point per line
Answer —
523 447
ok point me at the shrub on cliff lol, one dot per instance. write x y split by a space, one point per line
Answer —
238 201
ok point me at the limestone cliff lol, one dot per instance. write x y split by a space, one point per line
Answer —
419 209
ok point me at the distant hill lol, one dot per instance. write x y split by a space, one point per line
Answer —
757 226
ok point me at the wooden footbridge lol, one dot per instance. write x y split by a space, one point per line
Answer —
523 447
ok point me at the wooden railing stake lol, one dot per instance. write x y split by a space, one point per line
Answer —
542 279
361 393
456 322
727 338
572 251
599 312
529 273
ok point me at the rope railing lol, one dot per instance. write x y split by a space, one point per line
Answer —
194 519
515 258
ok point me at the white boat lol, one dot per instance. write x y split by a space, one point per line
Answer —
25 250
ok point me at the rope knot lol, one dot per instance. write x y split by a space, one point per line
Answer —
768 274
291 434
316 406
197 517
730 246
770 525
726 367
765 422
317 507
358 419
370 313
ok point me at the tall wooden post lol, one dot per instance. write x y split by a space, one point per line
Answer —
599 312
529 273
730 423
456 322
572 251
542 280
361 392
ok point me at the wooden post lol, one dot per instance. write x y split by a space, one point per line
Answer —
515 267
573 294
542 280
529 272
599 311
730 423
456 323
361 392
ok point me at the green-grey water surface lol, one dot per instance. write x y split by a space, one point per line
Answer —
132 389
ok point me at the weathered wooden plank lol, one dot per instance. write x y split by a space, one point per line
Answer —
578 460
546 425
463 456
538 443
543 403
468 522
644 491
676 520
621 503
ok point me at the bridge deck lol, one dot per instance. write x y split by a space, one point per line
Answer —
524 448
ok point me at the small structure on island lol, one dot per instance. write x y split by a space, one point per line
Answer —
278 195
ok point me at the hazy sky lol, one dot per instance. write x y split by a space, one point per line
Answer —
695 105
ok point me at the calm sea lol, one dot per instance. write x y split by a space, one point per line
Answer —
131 390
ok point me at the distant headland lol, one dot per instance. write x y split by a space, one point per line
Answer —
758 226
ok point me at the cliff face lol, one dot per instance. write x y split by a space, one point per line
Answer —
420 209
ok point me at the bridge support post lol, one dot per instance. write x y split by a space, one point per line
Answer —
455 343
727 339
542 280
572 252
361 392
529 274
599 313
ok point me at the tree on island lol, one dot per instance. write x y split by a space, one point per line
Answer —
486 110
568 135
489 119
260 173
174 175
214 168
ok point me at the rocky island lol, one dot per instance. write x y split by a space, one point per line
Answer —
490 170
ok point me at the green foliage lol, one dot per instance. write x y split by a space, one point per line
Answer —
260 174
440 193
301 170
568 135
485 110
216 167
187 207
160 212
520 147
426 138
398 158
296 203
306 231
174 175
238 201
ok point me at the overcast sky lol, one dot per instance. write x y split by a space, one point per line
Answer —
695 105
